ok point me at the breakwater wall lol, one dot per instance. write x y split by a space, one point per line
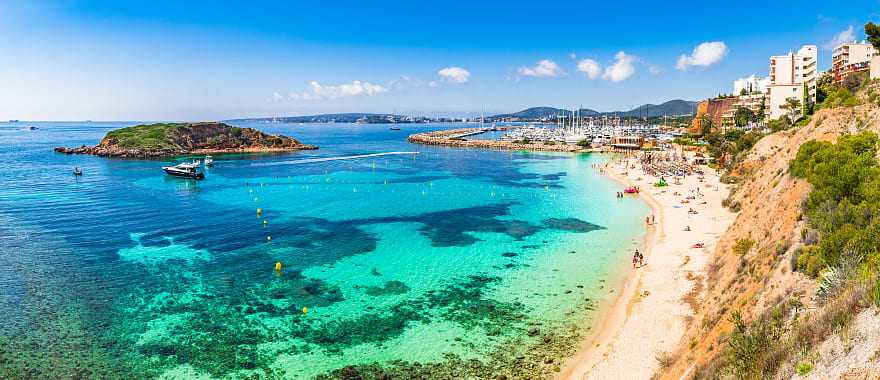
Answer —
452 137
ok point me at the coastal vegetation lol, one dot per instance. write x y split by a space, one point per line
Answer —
844 206
829 248
840 250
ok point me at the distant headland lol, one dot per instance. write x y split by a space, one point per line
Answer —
672 108
174 139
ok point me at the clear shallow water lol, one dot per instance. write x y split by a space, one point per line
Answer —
446 259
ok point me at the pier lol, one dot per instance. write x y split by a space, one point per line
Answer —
468 132
453 137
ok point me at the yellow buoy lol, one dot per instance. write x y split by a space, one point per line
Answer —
264 222
259 211
278 266
269 238
305 310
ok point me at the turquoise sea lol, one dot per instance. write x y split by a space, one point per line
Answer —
452 263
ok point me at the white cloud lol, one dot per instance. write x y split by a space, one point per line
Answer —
848 35
433 84
277 96
590 68
705 54
454 74
654 70
356 88
545 69
622 68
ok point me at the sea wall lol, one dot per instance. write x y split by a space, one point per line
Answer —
447 137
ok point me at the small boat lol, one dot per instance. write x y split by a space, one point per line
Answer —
394 128
77 171
209 161
186 170
32 128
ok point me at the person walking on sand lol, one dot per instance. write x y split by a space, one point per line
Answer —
636 258
641 259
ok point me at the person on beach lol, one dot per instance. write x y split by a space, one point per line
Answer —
636 258
641 259
652 219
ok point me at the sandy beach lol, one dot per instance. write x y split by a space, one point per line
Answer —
648 319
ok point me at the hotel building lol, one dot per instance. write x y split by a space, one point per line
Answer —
850 58
788 75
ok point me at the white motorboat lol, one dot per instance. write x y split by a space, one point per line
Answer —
186 170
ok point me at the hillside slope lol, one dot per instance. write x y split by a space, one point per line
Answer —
751 270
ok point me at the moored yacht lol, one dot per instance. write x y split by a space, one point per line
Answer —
186 170
209 161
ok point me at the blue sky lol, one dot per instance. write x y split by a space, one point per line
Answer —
189 60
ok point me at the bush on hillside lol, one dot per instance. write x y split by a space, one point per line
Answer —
840 97
844 205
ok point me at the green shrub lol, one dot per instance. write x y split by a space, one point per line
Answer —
748 343
840 97
809 261
743 246
803 368
875 293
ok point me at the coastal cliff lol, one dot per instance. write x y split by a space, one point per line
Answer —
764 308
448 138
173 139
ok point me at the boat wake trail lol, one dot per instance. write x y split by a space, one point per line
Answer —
324 159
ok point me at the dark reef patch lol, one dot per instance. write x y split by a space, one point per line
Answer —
391 287
571 224
553 176
449 228
509 254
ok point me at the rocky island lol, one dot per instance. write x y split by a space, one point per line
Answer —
174 139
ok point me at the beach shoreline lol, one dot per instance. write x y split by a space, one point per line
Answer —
647 319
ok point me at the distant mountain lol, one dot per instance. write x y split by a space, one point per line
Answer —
542 112
672 107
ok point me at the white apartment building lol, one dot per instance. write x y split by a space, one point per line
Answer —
849 58
788 75
751 84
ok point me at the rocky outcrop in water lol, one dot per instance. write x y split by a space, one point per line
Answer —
173 139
